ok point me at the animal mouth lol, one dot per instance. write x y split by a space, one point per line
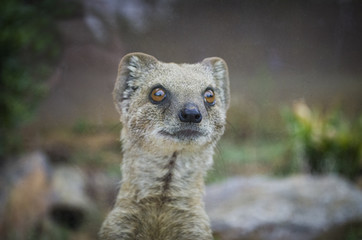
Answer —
183 134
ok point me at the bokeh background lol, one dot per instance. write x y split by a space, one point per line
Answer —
296 84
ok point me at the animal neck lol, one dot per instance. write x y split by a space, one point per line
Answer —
174 175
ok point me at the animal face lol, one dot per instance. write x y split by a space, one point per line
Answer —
172 105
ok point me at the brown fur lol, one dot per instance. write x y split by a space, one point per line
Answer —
163 171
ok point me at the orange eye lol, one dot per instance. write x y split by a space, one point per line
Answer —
209 97
157 95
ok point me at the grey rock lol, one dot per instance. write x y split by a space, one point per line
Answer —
69 186
299 207
71 204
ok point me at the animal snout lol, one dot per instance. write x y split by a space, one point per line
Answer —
190 113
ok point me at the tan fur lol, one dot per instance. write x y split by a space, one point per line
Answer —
163 175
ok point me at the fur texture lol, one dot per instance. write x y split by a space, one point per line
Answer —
164 161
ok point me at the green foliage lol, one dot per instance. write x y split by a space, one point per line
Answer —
83 126
326 142
29 46
246 158
354 232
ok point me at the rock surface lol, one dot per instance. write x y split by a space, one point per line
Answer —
24 194
34 193
71 204
300 207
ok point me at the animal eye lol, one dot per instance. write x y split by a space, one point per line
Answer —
209 97
157 95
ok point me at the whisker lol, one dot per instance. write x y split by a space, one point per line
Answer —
117 126
232 127
221 163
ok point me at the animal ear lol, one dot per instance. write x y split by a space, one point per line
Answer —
219 70
131 71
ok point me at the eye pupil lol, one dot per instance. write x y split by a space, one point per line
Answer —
157 95
209 97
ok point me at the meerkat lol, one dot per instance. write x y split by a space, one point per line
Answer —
172 116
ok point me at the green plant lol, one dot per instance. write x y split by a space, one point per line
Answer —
326 142
30 47
83 126
246 158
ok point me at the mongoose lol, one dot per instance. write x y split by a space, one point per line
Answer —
172 115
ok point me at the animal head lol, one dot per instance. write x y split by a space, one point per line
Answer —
168 105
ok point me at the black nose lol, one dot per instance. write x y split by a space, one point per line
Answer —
190 113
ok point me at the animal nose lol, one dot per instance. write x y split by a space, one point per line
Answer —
190 113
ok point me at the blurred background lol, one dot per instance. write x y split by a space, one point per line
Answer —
294 126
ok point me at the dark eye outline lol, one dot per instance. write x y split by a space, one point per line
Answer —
152 92
213 94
